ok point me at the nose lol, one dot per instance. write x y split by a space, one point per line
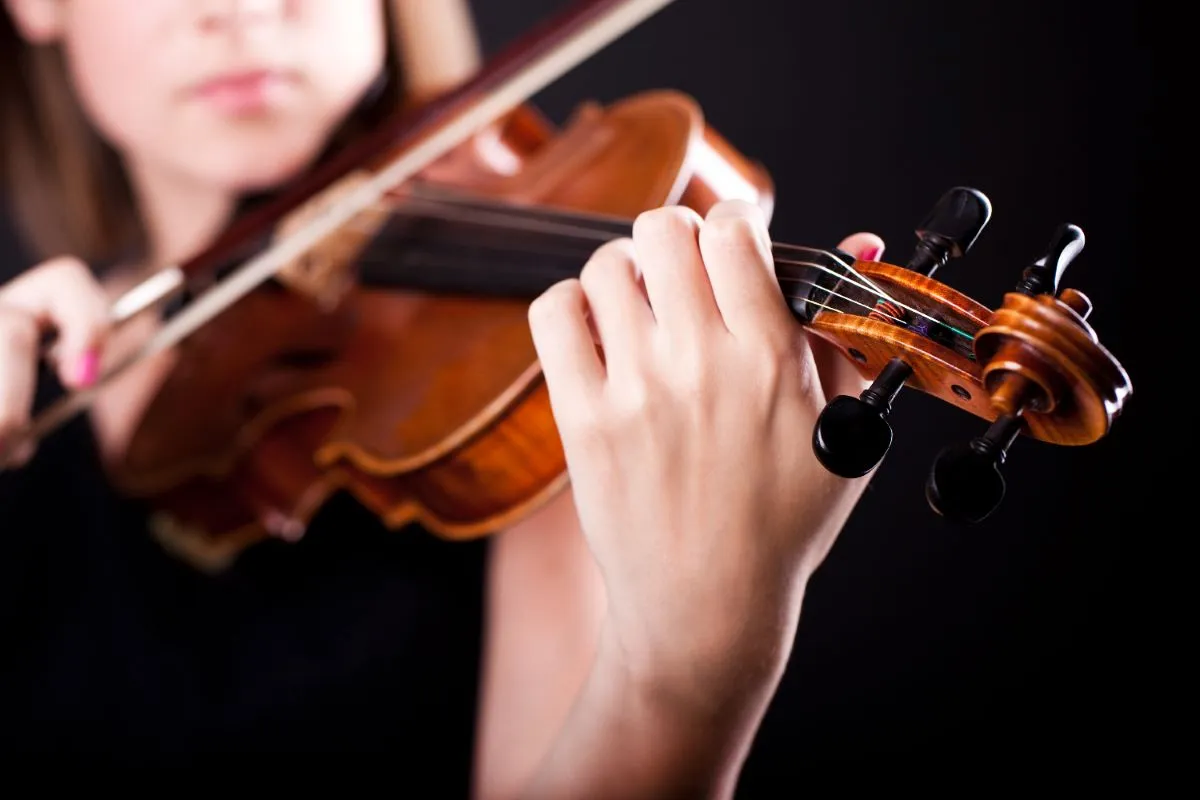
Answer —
237 15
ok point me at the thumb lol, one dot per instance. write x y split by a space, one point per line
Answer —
838 374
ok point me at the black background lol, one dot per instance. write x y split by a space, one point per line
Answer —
917 637
1029 633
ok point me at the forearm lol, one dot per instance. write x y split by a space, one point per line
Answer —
631 737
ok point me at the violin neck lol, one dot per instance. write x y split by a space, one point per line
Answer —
469 253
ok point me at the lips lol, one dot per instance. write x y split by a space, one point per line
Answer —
246 91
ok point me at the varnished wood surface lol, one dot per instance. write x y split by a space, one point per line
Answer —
433 408
425 407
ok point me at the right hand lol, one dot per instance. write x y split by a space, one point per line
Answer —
60 296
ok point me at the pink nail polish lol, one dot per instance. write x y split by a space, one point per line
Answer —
870 254
88 368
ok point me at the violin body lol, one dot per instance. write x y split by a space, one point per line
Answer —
366 329
426 407
429 406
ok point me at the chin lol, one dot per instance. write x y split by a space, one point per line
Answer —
261 165
266 173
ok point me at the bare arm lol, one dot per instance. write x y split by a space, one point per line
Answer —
559 713
545 608
652 678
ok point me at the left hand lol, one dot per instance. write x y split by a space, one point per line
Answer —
688 441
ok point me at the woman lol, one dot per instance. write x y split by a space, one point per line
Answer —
626 640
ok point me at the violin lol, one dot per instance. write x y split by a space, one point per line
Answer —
366 330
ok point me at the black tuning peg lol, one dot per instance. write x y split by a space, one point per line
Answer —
965 484
950 229
853 434
1044 275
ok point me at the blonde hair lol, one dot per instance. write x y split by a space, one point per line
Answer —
64 186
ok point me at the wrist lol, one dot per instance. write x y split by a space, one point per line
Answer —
721 679
642 729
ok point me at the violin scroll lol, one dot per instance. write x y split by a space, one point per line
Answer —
1032 366
1042 362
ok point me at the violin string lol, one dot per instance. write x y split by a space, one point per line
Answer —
527 218
510 218
442 195
885 298
504 215
445 262
463 199
875 309
869 287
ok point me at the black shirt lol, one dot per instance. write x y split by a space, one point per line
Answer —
357 638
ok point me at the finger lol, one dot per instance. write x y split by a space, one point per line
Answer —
863 246
558 320
737 253
18 372
668 254
63 295
838 374
619 310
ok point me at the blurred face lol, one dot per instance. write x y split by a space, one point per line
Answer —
238 94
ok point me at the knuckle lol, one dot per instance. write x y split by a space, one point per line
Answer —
667 222
618 251
629 404
550 304
737 207
692 373
729 233
580 424
18 332
68 275
570 420
70 268
607 261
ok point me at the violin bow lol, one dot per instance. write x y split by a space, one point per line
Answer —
421 136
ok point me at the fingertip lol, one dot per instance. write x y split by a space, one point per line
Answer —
81 369
864 246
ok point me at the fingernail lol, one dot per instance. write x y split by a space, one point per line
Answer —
87 369
871 254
